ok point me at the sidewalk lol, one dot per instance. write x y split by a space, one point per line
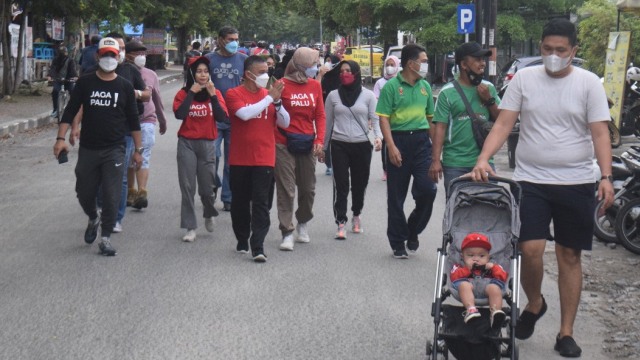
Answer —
23 112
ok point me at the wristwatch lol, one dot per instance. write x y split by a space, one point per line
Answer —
140 150
490 102
607 177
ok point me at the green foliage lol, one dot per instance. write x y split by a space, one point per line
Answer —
599 17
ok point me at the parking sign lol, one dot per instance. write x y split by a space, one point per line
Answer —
466 18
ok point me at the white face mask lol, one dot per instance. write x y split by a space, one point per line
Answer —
121 57
108 63
261 80
424 69
327 65
554 63
391 70
140 61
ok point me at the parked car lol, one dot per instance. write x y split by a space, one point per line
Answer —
512 67
363 60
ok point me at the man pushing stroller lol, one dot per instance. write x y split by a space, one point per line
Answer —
476 277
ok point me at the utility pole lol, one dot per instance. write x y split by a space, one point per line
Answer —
486 32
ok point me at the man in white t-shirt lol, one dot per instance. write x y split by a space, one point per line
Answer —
563 113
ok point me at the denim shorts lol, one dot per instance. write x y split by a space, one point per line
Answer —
479 285
148 131
570 207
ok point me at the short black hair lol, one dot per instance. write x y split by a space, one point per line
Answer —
95 39
561 27
115 35
410 52
252 60
196 45
226 30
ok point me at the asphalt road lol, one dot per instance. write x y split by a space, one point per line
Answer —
160 298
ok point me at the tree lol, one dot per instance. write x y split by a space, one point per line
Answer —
599 18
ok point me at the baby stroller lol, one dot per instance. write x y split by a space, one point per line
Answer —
491 209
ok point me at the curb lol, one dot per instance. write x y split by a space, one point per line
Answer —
44 119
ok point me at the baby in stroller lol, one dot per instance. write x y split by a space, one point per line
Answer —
479 278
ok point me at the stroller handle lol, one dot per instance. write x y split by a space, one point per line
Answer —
515 188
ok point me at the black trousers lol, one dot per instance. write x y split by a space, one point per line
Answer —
250 186
351 161
96 167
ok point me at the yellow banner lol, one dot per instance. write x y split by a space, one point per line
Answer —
363 59
615 71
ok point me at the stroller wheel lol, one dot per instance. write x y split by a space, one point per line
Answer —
434 350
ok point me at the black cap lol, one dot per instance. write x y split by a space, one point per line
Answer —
133 46
471 49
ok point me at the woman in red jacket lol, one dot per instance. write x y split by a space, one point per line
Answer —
296 165
199 105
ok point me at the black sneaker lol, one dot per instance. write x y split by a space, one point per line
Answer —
400 253
242 247
259 256
91 233
567 347
226 206
105 248
413 243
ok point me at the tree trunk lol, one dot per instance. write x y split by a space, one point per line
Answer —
5 38
181 44
19 59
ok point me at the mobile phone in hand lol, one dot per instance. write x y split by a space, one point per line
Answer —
62 157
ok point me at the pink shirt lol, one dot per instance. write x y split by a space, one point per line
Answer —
153 109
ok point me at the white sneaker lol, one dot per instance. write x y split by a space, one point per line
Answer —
208 224
117 228
356 227
190 236
303 235
287 243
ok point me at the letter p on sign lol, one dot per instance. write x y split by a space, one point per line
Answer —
466 18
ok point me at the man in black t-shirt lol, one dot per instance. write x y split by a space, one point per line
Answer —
109 110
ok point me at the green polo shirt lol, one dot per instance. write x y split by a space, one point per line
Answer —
407 106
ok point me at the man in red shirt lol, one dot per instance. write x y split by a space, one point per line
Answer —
255 112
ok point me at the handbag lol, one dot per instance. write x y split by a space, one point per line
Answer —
298 143
479 127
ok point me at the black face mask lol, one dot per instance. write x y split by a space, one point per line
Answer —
475 79
270 71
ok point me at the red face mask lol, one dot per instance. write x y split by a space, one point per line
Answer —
347 78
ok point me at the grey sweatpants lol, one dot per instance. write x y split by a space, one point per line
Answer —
196 161
100 167
294 171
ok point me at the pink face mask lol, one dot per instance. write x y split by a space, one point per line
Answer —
347 78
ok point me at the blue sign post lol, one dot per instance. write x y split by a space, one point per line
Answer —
466 18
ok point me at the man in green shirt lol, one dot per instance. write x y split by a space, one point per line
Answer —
405 107
452 123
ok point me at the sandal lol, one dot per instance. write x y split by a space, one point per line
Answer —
527 322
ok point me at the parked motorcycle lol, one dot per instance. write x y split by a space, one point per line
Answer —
626 187
627 221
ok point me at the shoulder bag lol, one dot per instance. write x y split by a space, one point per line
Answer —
479 127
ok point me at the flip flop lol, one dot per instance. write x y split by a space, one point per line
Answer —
527 322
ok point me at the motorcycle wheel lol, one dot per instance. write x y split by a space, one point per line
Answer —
628 226
605 225
614 134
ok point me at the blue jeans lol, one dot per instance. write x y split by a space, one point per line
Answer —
224 133
452 172
415 149
122 207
